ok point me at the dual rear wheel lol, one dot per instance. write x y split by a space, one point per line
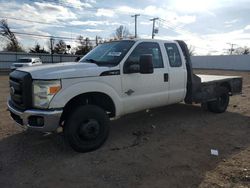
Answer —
221 103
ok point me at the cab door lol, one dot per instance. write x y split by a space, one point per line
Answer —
140 91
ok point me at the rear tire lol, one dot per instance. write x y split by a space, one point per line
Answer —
221 103
87 128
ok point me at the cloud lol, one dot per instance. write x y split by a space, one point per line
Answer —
153 11
193 6
48 13
52 13
228 25
145 23
40 12
105 12
247 27
127 10
231 21
78 3
91 1
185 19
93 30
93 23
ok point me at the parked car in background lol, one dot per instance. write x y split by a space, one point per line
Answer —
25 62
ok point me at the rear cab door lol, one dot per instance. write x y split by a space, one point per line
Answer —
177 72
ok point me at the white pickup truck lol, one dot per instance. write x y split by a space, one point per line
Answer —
114 79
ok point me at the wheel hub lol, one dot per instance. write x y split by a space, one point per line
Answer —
222 100
89 130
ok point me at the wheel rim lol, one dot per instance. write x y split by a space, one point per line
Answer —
89 129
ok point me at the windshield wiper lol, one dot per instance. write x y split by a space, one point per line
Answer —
99 63
91 60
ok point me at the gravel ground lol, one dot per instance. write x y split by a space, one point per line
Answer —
163 147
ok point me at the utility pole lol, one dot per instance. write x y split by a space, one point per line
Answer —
86 42
51 48
153 30
135 16
96 40
232 48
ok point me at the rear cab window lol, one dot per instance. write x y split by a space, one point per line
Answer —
173 54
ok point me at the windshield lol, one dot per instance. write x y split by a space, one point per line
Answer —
108 54
24 60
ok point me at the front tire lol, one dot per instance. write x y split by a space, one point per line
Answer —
87 128
221 103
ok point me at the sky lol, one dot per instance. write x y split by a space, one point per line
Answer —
210 26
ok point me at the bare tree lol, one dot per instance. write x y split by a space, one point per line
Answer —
246 51
37 49
60 47
191 50
121 32
84 45
13 44
242 51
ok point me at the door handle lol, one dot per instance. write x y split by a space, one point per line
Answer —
165 77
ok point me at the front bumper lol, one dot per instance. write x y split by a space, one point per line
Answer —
50 119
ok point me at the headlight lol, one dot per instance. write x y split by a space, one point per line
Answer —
44 91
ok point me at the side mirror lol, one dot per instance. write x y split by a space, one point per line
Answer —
146 64
131 67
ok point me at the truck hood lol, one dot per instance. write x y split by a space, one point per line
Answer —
64 70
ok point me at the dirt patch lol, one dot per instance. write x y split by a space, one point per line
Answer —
163 147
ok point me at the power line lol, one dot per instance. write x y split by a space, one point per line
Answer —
168 25
31 21
38 35
44 36
174 28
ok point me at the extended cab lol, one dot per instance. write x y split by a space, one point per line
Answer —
112 80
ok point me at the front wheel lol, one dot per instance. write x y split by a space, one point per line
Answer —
221 103
87 128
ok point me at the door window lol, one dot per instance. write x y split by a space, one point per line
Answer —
143 48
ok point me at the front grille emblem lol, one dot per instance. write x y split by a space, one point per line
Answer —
129 92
